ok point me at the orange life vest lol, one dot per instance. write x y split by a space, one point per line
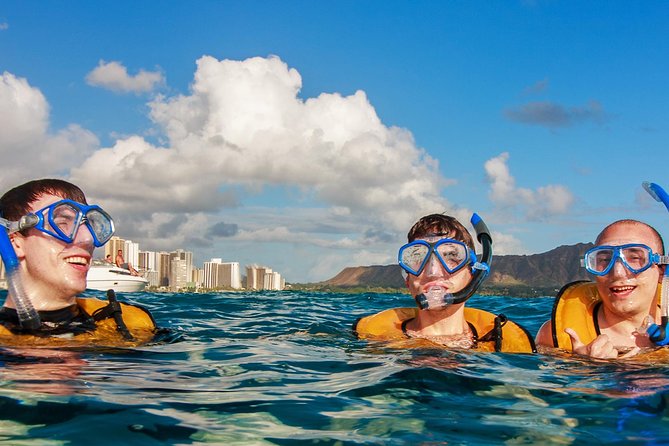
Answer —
138 320
493 333
576 307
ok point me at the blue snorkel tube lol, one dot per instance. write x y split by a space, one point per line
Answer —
28 317
480 270
659 334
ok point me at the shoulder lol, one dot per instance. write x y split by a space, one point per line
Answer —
544 336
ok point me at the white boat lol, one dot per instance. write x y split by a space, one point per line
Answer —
103 276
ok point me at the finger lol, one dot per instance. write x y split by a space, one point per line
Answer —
605 351
603 348
575 340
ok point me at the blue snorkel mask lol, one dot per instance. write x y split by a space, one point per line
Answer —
63 219
453 256
659 334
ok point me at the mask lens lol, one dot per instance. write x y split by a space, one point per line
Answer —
412 257
598 260
637 258
100 225
454 255
65 219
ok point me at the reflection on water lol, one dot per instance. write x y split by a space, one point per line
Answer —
285 368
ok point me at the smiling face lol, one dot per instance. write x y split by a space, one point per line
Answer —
624 293
53 272
435 277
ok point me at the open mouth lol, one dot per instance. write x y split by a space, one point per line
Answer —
83 261
434 288
622 289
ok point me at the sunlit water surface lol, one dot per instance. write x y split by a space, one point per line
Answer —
284 368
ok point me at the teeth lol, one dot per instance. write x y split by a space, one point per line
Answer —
619 289
77 260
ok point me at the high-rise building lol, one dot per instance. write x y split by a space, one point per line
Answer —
219 274
198 274
187 257
163 268
210 273
181 269
230 276
179 273
263 278
272 281
252 279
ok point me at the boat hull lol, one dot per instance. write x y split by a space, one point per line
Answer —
111 277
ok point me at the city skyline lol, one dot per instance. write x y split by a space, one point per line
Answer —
214 273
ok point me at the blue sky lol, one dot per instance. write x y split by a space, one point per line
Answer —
309 136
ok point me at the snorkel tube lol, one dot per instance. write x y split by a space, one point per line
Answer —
659 334
28 317
480 270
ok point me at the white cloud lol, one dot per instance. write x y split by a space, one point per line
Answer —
4 26
27 148
537 205
114 76
242 129
504 244
244 124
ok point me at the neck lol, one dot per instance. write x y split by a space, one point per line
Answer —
622 329
44 301
446 322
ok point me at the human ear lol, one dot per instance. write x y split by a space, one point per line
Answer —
18 241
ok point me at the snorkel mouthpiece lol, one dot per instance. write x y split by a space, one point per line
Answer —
28 317
436 298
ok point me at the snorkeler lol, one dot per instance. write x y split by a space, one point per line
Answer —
48 236
626 310
441 272
610 317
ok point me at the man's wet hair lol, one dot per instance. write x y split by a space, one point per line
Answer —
16 202
440 224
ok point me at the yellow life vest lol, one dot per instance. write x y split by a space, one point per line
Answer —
139 323
576 307
508 337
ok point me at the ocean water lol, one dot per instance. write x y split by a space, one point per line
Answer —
284 368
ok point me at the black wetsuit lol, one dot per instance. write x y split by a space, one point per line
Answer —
72 319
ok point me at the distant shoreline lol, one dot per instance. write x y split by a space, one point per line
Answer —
521 291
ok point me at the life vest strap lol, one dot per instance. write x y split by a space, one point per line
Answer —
113 310
495 334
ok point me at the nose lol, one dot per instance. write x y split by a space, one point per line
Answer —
83 237
434 268
619 269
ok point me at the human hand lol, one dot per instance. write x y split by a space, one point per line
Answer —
600 348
